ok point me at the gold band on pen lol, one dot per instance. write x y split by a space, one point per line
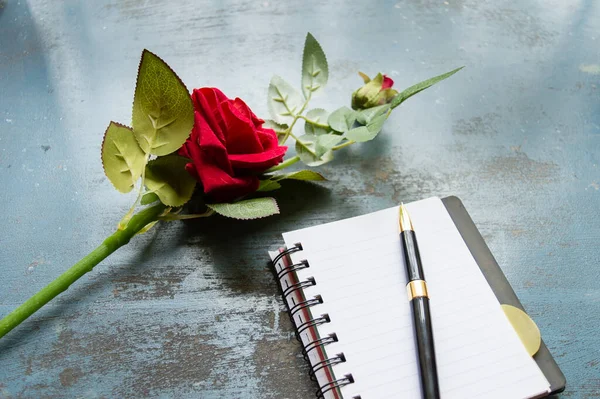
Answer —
416 289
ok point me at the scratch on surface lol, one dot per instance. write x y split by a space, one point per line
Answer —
594 185
276 315
515 148
35 263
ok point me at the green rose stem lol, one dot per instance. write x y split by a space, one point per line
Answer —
296 158
85 265
284 164
346 144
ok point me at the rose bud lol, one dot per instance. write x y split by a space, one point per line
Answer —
377 91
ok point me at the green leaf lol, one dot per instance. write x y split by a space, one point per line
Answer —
167 178
285 102
342 119
122 225
366 115
147 227
248 209
122 158
163 114
315 130
314 67
279 128
268 185
359 134
305 149
376 124
149 198
369 132
305 175
326 142
316 122
414 89
365 77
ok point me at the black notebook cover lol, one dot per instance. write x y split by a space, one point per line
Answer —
499 284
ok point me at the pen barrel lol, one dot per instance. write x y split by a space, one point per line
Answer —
410 250
425 349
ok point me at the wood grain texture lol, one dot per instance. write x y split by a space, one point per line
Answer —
191 309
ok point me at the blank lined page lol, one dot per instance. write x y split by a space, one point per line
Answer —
359 272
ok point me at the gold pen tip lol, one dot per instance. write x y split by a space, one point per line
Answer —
404 219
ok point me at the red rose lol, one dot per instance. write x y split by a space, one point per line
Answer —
228 146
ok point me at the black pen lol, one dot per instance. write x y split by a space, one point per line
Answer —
419 299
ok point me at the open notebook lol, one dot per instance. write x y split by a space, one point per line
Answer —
344 285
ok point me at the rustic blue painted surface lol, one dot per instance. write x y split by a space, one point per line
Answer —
191 310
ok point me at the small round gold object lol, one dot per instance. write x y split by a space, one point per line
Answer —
528 331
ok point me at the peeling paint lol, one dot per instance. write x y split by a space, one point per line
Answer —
69 376
520 167
592 69
486 125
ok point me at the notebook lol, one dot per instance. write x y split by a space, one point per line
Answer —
345 288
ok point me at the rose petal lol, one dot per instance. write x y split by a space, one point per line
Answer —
183 151
240 135
239 105
206 101
387 83
268 138
259 161
191 169
213 151
204 147
243 107
222 187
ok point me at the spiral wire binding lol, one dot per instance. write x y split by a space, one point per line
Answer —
303 264
316 300
346 380
329 339
309 282
324 318
297 247
339 358
313 323
278 274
